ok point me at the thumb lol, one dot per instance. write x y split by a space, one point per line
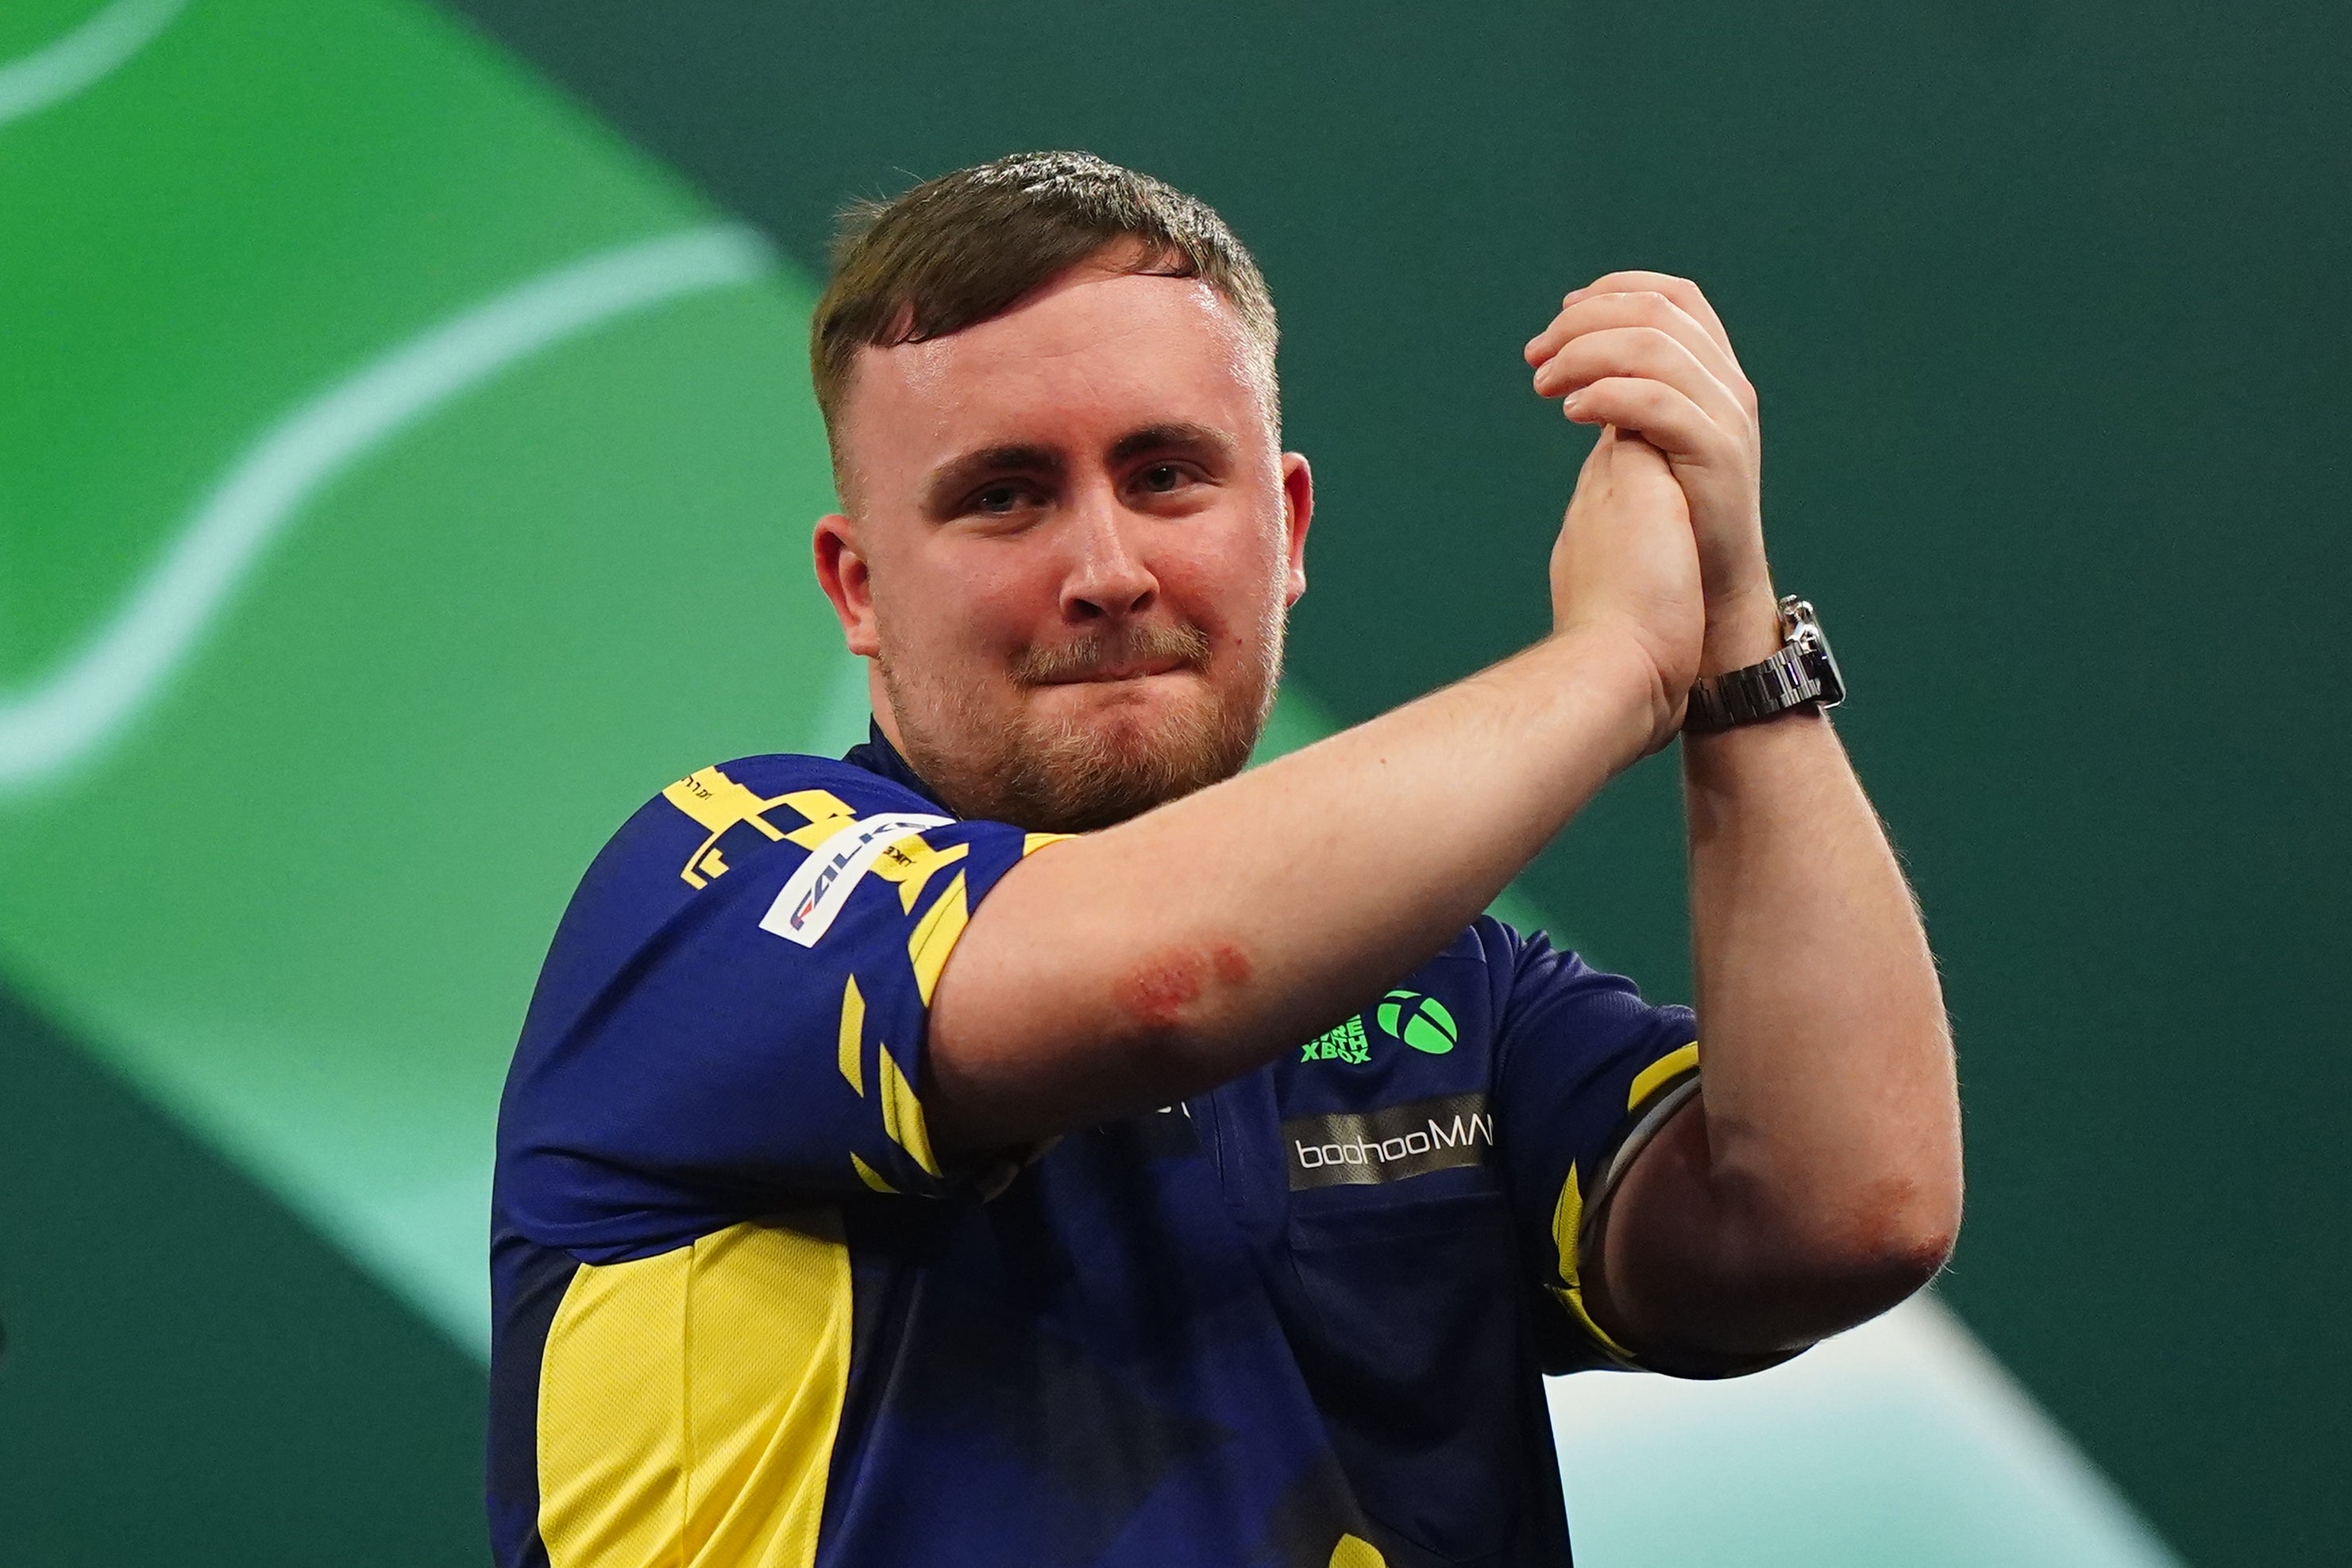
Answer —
1636 459
1596 462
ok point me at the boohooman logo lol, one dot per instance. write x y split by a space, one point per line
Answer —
1357 1148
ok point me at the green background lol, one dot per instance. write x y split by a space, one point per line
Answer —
2047 310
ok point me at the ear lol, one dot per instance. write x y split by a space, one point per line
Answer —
1298 512
848 580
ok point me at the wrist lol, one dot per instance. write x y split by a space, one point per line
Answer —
1743 628
1800 676
1613 667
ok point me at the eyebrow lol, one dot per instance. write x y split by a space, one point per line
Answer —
1181 435
944 494
953 481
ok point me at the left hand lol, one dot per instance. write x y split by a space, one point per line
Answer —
1644 351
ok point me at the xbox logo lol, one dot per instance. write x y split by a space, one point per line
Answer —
1421 1022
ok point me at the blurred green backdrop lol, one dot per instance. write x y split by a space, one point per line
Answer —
405 458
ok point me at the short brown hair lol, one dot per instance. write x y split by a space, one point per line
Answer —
957 250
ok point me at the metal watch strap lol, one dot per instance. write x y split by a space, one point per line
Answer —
1803 672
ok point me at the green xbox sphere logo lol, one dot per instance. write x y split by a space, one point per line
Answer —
1421 1022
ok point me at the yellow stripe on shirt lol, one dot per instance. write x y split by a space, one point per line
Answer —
1567 1222
1656 1076
852 1046
902 1113
935 935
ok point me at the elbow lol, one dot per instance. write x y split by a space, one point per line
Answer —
1935 1234
1772 1260
1877 1227
1891 1266
1887 1246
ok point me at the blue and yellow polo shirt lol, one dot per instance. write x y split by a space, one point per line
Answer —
746 1314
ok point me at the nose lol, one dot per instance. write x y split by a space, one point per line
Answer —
1108 579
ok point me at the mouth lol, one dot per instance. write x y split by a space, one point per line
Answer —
1133 670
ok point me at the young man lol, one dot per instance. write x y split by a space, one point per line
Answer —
1027 1141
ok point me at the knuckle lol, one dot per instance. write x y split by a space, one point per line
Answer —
1654 344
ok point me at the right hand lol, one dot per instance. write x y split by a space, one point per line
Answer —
1626 564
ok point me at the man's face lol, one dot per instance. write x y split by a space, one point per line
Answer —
1074 545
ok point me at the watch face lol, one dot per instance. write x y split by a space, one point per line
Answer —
1802 629
1824 665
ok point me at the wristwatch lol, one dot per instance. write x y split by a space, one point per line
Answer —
1803 673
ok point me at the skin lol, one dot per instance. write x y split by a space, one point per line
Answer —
1096 464
1814 1182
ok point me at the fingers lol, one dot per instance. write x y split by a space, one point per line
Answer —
1656 413
1644 355
1647 353
1682 314
1682 291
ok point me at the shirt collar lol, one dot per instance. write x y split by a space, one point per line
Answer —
876 755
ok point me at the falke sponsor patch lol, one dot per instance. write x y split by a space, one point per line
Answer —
821 884
1358 1148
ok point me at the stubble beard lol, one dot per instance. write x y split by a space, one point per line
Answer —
1059 774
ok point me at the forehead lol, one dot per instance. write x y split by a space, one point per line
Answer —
1087 359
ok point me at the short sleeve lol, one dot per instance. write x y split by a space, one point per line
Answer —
734 1014
1586 1072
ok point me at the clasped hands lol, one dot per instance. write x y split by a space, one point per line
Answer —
1663 539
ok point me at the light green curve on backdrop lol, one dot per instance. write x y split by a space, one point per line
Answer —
70 714
76 61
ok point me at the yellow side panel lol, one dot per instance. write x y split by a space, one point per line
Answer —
767 1365
688 1402
934 937
1650 1078
1355 1552
612 1416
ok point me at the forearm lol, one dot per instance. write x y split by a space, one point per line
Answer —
1816 1180
1828 1088
1134 967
